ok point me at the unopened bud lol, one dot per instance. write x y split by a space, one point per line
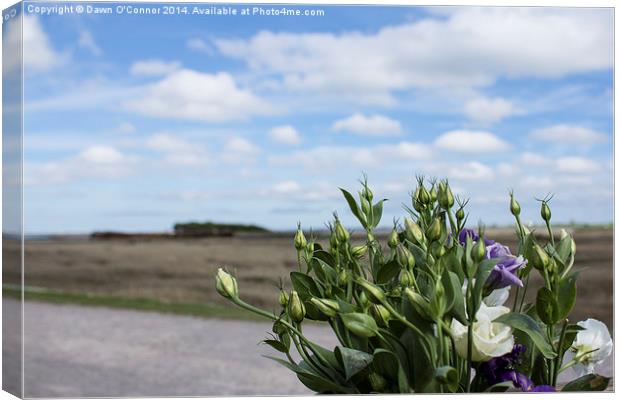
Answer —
545 211
424 197
226 284
433 194
413 231
460 214
359 251
283 298
363 300
418 302
374 293
393 239
434 230
438 250
327 306
446 198
366 207
367 193
407 278
296 308
479 251
343 277
333 240
310 247
515 208
540 258
380 314
300 239
278 328
404 257
341 233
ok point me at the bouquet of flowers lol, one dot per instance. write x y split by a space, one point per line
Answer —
426 312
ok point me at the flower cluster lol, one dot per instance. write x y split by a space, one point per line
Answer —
427 312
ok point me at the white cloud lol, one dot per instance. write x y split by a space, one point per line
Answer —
177 151
576 165
97 161
199 45
464 141
285 134
286 187
154 67
488 110
38 54
569 134
126 127
469 47
324 157
372 125
87 42
292 190
534 159
191 95
473 170
241 146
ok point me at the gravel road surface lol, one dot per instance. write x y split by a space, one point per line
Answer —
76 351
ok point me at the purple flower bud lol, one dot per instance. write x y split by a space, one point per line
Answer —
543 388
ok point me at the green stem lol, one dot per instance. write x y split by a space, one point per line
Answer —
558 360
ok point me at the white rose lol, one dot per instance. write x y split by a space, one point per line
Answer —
591 346
490 339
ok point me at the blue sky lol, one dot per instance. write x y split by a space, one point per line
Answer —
135 122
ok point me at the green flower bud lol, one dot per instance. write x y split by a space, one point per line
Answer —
515 208
300 239
226 284
366 207
393 239
360 324
359 251
333 240
404 257
341 233
380 314
479 251
446 198
374 293
377 382
296 308
407 278
396 291
540 258
283 298
433 232
367 193
460 214
433 194
328 290
363 300
413 232
418 302
545 211
424 197
438 250
310 247
343 277
328 307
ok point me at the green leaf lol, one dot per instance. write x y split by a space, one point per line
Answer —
324 256
501 387
388 271
587 383
352 361
526 324
305 286
354 208
388 365
360 324
453 290
547 306
447 376
567 295
276 344
377 212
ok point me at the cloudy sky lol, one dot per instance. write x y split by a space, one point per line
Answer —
136 122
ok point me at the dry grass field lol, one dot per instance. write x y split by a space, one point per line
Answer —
182 270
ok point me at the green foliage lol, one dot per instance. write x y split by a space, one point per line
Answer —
399 308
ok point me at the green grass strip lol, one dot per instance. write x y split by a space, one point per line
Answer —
142 304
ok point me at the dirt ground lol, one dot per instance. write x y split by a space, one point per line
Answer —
182 270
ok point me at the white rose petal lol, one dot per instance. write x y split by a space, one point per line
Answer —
497 297
591 346
490 339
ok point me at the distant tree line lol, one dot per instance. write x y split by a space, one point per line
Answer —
192 229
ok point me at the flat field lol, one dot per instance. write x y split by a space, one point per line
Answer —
166 273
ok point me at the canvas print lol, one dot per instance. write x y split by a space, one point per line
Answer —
217 199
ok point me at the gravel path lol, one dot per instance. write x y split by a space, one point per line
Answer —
75 351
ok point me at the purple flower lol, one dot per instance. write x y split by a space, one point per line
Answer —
519 380
504 273
493 368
